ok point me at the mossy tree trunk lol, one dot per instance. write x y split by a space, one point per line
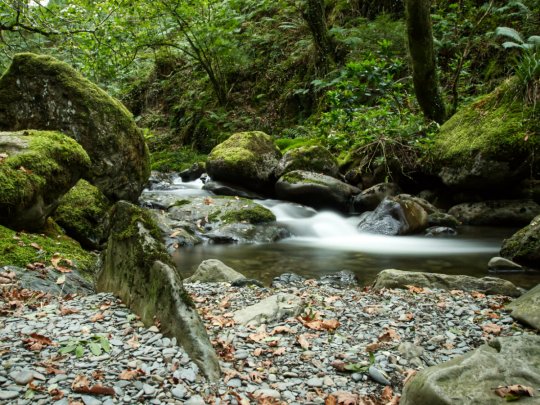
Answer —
315 16
420 37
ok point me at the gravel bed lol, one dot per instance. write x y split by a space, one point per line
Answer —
348 342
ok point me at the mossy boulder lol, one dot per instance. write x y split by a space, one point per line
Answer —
41 92
83 213
136 268
248 159
526 308
523 247
316 190
21 249
489 143
496 212
471 379
36 169
314 158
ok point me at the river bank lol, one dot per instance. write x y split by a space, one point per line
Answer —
325 351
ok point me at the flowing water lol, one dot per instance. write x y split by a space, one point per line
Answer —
326 242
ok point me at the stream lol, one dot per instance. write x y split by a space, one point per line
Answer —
327 242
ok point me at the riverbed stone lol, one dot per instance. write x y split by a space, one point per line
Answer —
392 278
498 263
248 159
315 190
214 271
41 92
526 308
496 212
270 309
471 379
136 267
314 158
523 247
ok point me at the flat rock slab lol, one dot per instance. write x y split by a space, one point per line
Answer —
527 308
271 309
392 278
471 379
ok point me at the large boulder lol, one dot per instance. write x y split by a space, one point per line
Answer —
472 378
271 309
214 271
36 169
370 198
248 159
527 308
316 190
523 247
136 268
314 158
498 212
488 144
40 92
394 216
392 278
83 213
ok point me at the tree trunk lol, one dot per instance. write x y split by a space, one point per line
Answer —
420 36
315 17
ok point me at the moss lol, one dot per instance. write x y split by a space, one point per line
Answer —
255 214
179 203
130 229
297 177
16 249
82 212
244 147
286 144
175 160
497 124
46 165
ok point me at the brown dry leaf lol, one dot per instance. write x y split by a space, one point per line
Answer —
56 394
73 402
319 324
311 283
302 341
410 373
95 390
416 290
329 300
220 321
492 328
281 329
208 201
280 351
130 374
68 311
389 335
134 342
37 342
273 343
257 337
230 373
25 170
514 392
373 347
387 394
105 305
448 345
493 315
458 293
256 377
339 365
225 302
258 351
98 375
478 295
80 382
55 371
372 309
57 259
330 400
36 246
406 317
441 304
97 317
9 274
345 398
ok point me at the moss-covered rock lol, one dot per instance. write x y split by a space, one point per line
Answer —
36 169
316 190
491 142
21 249
248 159
83 213
41 92
523 247
136 267
526 308
313 158
497 212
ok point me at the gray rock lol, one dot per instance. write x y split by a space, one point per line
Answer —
22 377
195 400
5 395
179 391
342 279
89 400
378 375
134 255
270 309
267 393
498 263
223 188
470 379
313 158
288 280
315 190
440 231
392 278
370 198
41 92
214 271
499 212
523 247
527 308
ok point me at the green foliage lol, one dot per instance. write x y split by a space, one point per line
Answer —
96 345
175 160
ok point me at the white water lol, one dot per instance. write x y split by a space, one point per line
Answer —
333 231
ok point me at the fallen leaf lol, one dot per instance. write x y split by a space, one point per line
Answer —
56 394
339 365
343 398
387 394
389 335
230 373
97 317
319 324
370 348
134 342
256 377
257 337
406 317
478 295
36 246
37 342
410 373
416 290
208 201
105 305
130 374
61 280
68 311
492 328
458 293
55 371
79 382
372 309
258 351
302 341
57 259
25 170
279 352
514 392
98 375
281 329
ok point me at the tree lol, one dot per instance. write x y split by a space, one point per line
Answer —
422 54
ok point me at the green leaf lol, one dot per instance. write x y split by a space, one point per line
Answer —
510 33
68 349
79 351
29 394
95 348
356 367
105 344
